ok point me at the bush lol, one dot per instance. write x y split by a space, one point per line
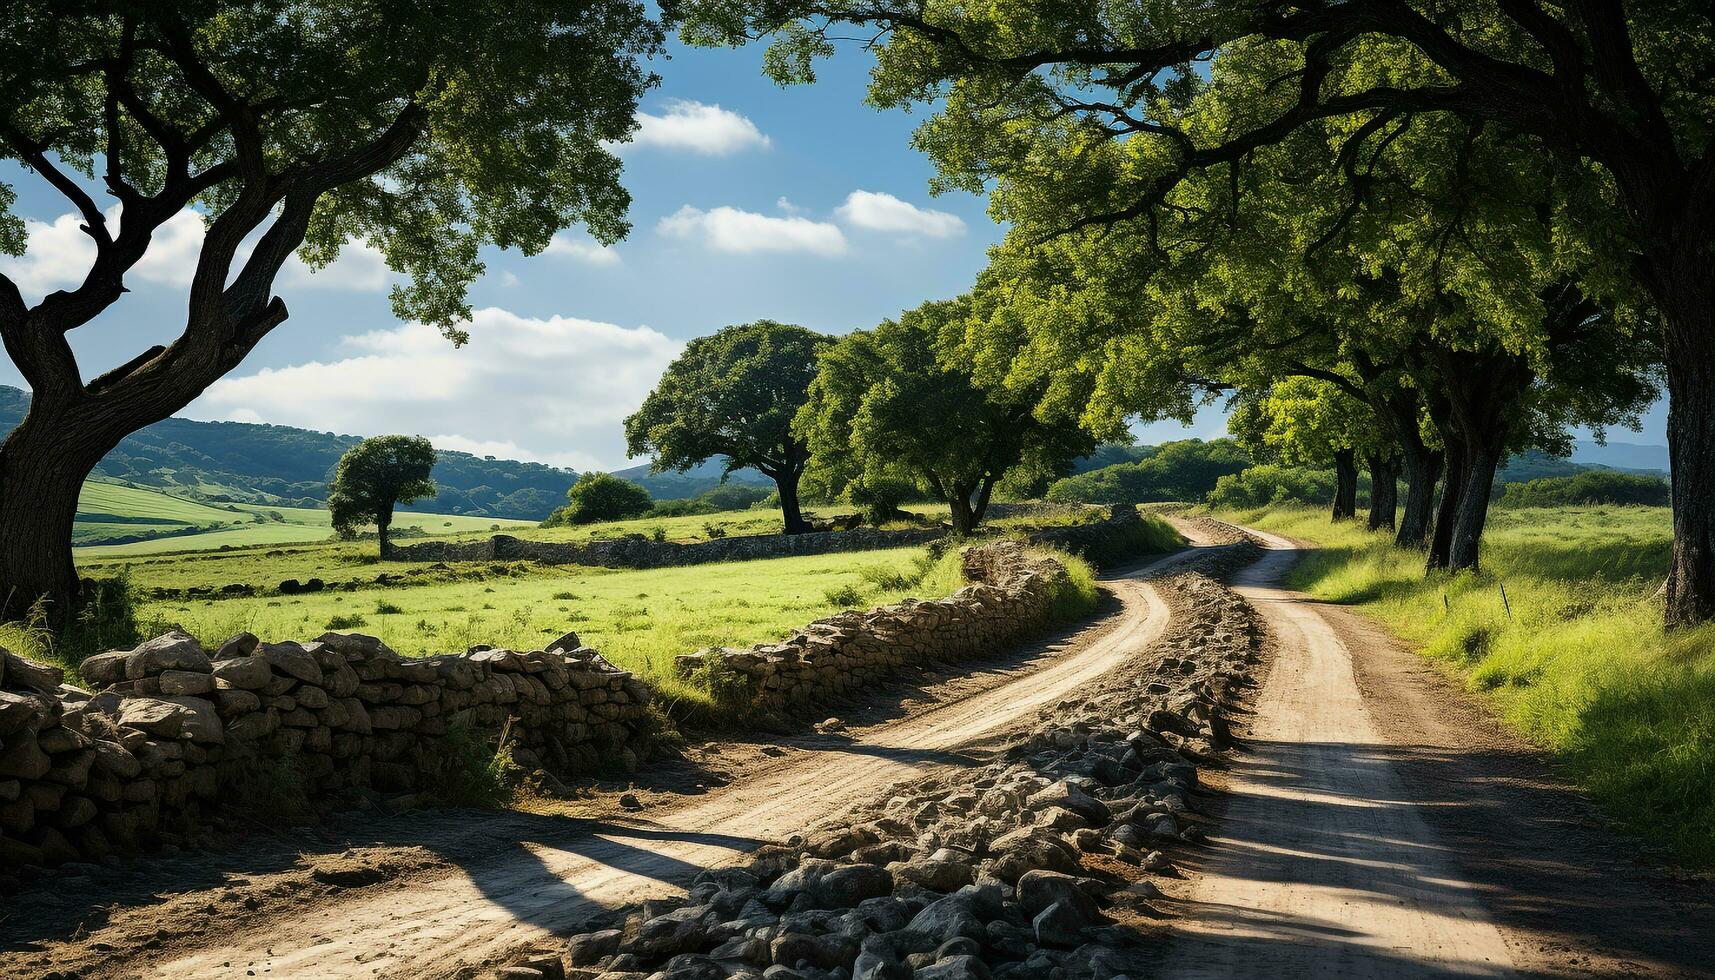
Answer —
350 622
601 497
1591 487
848 597
472 773
1260 486
1185 470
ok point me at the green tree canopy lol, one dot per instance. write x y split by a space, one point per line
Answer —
898 403
602 497
373 476
425 130
734 394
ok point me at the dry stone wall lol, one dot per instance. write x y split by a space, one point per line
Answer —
636 551
1009 599
171 731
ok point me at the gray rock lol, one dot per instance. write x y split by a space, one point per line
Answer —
586 949
1039 889
21 673
941 876
245 674
947 918
955 968
676 932
1061 925
176 650
1065 795
873 965
185 682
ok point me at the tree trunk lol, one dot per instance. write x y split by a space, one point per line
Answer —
963 514
1384 491
1471 513
43 464
1441 536
1422 468
383 521
1689 311
787 483
1346 484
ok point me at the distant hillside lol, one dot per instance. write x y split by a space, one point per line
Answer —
277 465
697 479
1623 456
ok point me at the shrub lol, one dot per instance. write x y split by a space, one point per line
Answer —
1262 485
846 596
713 531
350 622
472 773
1591 487
601 497
385 608
1185 470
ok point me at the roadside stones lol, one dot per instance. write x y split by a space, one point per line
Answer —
999 871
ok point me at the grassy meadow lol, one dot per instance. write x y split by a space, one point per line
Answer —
1581 663
641 619
116 520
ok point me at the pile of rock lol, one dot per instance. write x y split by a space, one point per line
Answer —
1034 865
851 651
170 730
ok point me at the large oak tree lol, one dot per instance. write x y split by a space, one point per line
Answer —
734 394
423 128
1622 90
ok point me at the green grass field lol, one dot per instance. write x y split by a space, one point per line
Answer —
116 520
1581 664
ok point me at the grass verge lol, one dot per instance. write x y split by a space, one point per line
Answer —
1574 654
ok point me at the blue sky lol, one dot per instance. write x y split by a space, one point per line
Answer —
749 201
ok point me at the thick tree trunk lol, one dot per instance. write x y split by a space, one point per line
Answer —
383 521
1422 468
1472 511
787 483
1441 535
1384 491
964 515
1690 314
43 464
1345 484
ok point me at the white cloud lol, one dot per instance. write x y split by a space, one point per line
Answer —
731 230
554 390
698 128
360 266
58 256
581 249
884 212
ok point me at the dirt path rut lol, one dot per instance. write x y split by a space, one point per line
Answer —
1379 822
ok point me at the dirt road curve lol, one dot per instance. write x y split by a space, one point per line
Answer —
1379 824
519 893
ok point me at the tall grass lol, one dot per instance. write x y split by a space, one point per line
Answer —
1574 655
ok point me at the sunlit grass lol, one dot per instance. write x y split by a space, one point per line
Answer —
1574 655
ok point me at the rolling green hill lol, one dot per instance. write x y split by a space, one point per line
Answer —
277 465
113 519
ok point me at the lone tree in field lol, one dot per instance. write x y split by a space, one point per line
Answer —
602 497
734 394
374 475
1623 91
284 125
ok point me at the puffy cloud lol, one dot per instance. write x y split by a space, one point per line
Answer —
582 250
698 128
554 390
58 256
884 212
728 229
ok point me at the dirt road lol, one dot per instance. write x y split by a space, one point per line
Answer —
1380 824
517 879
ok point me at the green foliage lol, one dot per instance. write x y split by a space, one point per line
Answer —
732 394
1587 488
715 500
903 402
346 621
1149 536
846 596
1185 471
376 474
1582 664
1271 483
601 497
472 772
